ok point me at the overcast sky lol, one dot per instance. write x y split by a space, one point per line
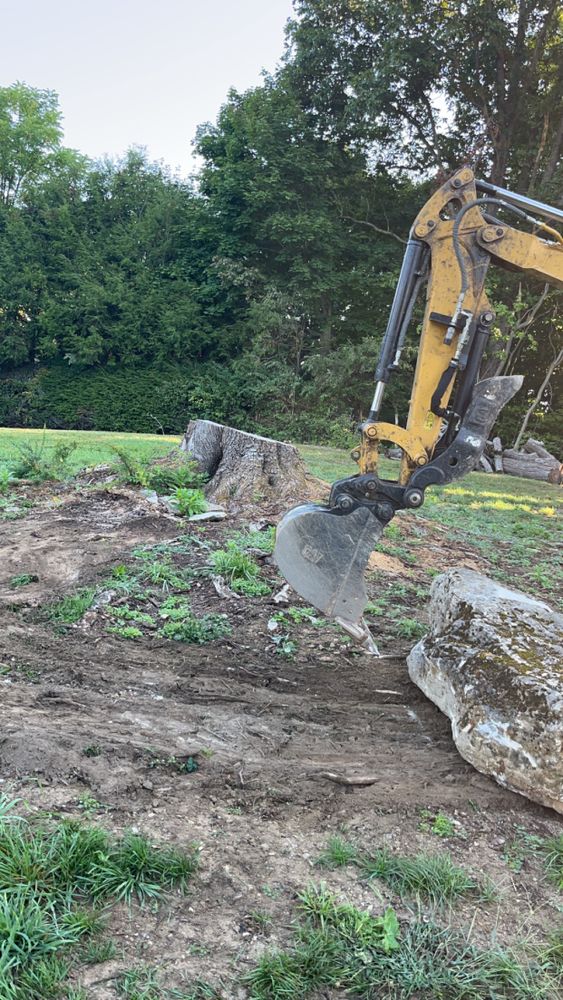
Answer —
140 72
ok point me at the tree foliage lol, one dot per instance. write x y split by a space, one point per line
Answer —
257 293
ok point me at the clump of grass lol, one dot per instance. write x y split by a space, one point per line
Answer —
338 853
96 952
432 877
52 879
71 609
162 573
165 479
130 469
552 850
254 538
23 580
239 569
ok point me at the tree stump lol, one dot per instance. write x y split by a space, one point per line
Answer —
247 468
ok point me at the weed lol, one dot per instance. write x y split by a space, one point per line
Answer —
254 538
432 877
71 609
523 845
338 853
340 948
183 626
285 645
130 469
139 984
127 614
259 922
162 573
410 628
187 766
23 580
251 588
438 823
34 463
89 805
189 501
92 750
165 479
125 631
6 480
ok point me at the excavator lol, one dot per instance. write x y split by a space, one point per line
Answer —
322 549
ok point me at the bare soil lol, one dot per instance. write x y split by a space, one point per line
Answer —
277 740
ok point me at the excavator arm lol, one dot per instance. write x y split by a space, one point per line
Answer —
323 550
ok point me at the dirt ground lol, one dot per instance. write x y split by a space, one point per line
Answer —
276 739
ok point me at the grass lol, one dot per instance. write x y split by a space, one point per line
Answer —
92 447
54 881
239 569
338 947
433 878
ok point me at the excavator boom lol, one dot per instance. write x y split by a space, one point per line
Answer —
322 550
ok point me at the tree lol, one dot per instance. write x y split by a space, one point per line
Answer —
430 84
30 140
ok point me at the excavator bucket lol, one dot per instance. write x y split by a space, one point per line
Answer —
323 553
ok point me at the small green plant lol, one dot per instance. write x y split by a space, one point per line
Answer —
89 805
125 631
182 625
129 468
165 479
92 750
521 848
410 628
23 580
189 501
285 645
338 853
254 538
189 765
163 573
71 609
251 588
259 922
127 614
34 461
436 823
6 480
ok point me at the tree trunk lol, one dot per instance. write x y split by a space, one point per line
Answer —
248 469
539 394
530 465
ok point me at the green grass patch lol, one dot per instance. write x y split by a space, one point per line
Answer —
239 569
552 850
340 948
182 625
91 447
23 580
71 609
54 879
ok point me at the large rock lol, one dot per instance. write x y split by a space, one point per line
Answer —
493 663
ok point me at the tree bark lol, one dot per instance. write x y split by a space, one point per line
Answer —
530 466
248 469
